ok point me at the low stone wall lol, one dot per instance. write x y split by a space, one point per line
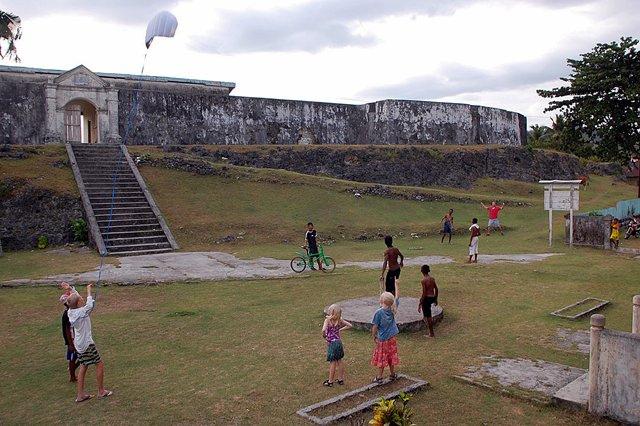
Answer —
614 381
591 231
27 212
402 165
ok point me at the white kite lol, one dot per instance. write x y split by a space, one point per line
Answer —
164 24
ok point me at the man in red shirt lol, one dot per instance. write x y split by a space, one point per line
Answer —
493 211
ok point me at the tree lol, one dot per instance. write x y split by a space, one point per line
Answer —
539 136
10 31
600 106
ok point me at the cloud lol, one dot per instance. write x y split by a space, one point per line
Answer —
123 11
310 26
456 79
321 24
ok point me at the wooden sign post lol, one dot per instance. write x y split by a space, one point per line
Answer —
562 195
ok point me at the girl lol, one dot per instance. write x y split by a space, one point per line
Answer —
331 329
384 333
615 233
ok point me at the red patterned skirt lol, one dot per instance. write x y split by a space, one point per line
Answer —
385 353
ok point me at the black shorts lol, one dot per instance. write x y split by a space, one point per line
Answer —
313 251
390 281
426 306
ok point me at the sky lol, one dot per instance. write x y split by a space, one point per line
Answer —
485 52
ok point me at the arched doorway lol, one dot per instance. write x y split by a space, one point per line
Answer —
81 122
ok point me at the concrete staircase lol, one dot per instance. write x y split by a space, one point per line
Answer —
136 225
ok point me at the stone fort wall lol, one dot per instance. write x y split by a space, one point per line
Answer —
173 113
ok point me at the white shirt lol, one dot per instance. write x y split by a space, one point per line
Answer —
81 323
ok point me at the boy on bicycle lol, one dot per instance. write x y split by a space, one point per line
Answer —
311 246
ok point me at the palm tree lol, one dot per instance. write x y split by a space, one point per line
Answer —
10 31
539 136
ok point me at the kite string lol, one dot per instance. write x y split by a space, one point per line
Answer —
116 170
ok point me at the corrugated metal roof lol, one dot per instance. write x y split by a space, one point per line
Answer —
153 78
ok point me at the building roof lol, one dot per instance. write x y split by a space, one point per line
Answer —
152 78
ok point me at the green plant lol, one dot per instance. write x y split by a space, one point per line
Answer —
393 412
79 229
43 242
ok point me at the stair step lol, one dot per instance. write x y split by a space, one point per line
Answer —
100 216
138 222
141 252
129 241
118 204
107 199
147 232
131 227
131 247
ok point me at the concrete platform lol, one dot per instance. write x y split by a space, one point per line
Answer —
359 312
575 395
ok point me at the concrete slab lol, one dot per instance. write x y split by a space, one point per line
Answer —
574 395
308 412
535 380
212 266
359 312
584 306
572 340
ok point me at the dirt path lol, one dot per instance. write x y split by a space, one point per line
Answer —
214 266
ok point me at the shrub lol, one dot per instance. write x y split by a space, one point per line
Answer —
79 230
43 242
393 412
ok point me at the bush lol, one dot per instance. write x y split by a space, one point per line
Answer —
79 230
393 412
43 242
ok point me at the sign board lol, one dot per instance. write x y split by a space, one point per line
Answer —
561 195
561 200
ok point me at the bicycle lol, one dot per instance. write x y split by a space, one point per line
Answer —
299 263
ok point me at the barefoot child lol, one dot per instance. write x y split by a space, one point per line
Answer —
391 255
67 333
331 329
473 242
384 333
615 233
429 297
79 312
447 225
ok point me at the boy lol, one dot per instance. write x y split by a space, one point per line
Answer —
312 246
79 312
473 242
493 211
447 227
391 254
67 334
429 297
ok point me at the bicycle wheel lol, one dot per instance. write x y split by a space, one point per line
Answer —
329 264
298 264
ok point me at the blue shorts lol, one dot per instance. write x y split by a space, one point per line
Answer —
71 354
447 228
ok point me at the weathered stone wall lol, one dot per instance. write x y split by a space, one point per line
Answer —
188 118
616 393
22 112
438 123
169 112
26 212
592 231
403 165
185 118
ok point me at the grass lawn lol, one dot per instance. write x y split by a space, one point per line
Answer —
251 352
